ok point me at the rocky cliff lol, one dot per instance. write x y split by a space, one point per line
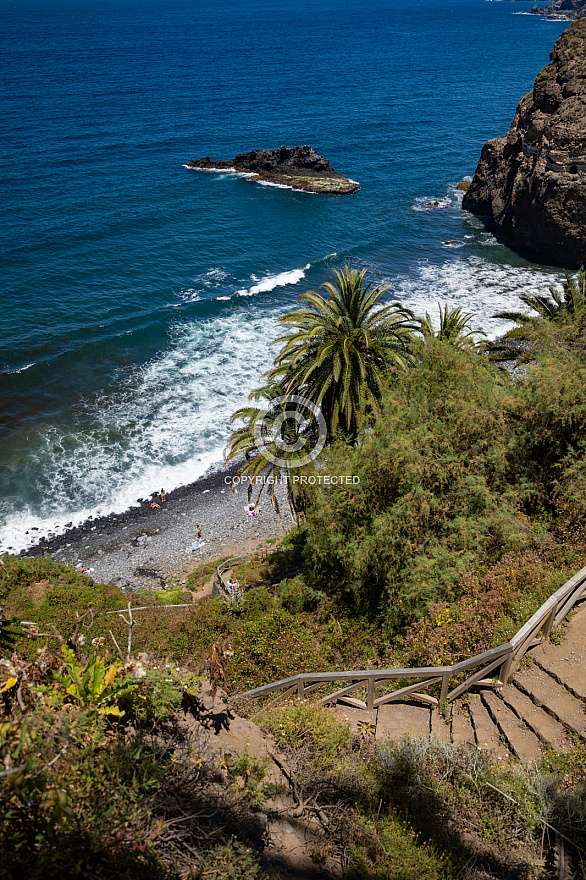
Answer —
297 167
532 182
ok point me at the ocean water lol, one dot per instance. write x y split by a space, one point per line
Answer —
139 298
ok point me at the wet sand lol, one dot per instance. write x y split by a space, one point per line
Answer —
145 547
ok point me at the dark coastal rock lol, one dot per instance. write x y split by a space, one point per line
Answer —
532 182
297 167
563 10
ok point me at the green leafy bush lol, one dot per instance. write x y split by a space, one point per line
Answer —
93 686
256 602
494 605
230 861
295 596
188 634
433 495
304 723
272 647
70 806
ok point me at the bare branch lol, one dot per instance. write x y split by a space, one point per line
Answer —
57 634
129 623
73 639
117 646
12 770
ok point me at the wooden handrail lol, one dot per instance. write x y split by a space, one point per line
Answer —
502 660
236 560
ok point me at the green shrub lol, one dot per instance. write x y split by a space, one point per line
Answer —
494 605
390 847
247 773
303 723
433 495
75 809
230 861
256 602
19 572
295 596
272 647
183 634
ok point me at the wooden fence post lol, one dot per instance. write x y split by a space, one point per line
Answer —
370 698
445 686
506 668
548 625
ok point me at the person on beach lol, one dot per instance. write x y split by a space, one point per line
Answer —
198 533
162 496
154 504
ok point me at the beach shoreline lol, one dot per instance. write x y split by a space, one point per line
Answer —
146 547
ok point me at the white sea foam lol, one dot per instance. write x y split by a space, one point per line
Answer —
169 421
276 185
479 286
190 295
230 170
251 174
432 203
20 370
265 285
284 186
214 279
219 279
452 199
164 427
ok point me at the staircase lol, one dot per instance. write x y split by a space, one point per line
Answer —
542 707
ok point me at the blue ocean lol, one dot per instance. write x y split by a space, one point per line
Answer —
139 297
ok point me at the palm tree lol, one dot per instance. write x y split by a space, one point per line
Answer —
338 349
452 326
559 308
276 438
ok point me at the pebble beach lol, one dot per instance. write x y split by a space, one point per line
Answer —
147 546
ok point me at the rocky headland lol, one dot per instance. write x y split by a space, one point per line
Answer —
296 167
562 10
531 184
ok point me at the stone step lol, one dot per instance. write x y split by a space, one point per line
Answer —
567 662
396 720
521 740
462 729
568 671
546 728
488 736
440 728
553 697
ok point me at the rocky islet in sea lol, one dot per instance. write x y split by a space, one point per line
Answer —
531 184
296 167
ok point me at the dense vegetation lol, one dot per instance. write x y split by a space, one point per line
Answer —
468 511
457 462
